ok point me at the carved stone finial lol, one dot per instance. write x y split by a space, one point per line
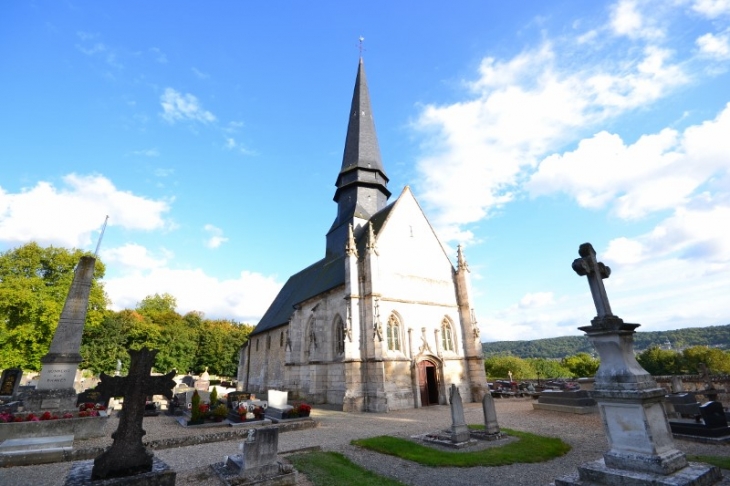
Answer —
371 239
461 260
350 246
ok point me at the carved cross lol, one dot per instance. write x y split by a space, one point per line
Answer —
127 455
595 271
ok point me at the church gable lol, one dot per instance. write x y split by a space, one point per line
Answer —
411 259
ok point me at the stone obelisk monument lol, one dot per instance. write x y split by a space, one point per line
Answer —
55 389
642 451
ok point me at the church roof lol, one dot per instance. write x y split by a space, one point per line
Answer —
319 277
324 275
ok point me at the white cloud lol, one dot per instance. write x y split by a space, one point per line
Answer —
657 172
216 237
132 257
537 299
177 106
626 19
520 109
69 215
624 250
159 55
200 74
716 46
245 298
153 152
712 8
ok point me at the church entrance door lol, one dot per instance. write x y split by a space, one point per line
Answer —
428 383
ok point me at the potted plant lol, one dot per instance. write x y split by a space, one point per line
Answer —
258 413
196 418
304 409
242 411
220 412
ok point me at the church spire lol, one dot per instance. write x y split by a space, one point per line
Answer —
361 183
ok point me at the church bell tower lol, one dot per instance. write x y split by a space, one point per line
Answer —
362 183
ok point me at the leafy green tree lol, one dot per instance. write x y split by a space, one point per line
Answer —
716 360
218 346
548 368
500 366
34 284
153 305
659 361
581 364
103 345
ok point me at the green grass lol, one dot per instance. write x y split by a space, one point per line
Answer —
334 469
719 461
528 448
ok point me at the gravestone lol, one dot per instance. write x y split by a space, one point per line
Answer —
683 405
127 458
459 429
579 401
491 427
9 383
257 463
55 389
185 399
642 451
93 396
234 398
202 384
277 404
712 428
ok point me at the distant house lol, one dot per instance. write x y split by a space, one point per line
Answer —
385 320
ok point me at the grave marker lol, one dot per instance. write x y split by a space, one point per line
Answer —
127 455
491 427
642 451
459 429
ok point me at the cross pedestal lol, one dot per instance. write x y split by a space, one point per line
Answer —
642 450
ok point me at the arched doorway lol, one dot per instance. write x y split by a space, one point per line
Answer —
428 383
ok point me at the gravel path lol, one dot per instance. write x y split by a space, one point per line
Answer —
336 429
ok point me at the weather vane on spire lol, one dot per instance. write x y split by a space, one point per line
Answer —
361 39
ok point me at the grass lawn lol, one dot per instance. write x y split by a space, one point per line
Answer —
719 461
529 448
334 469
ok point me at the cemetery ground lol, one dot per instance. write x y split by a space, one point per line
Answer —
336 430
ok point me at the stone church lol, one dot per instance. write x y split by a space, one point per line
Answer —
384 321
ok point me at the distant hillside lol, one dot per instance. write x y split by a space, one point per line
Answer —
560 347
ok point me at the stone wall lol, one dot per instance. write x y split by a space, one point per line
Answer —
698 384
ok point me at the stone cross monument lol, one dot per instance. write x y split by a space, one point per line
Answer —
127 455
55 389
642 451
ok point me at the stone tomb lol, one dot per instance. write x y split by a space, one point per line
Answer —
257 463
579 401
713 427
277 404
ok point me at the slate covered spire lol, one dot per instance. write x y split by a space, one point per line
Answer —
362 183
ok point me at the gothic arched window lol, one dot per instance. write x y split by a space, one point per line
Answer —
393 333
447 336
339 336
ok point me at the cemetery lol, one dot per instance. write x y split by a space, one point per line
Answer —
149 428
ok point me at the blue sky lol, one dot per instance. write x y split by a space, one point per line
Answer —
212 133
